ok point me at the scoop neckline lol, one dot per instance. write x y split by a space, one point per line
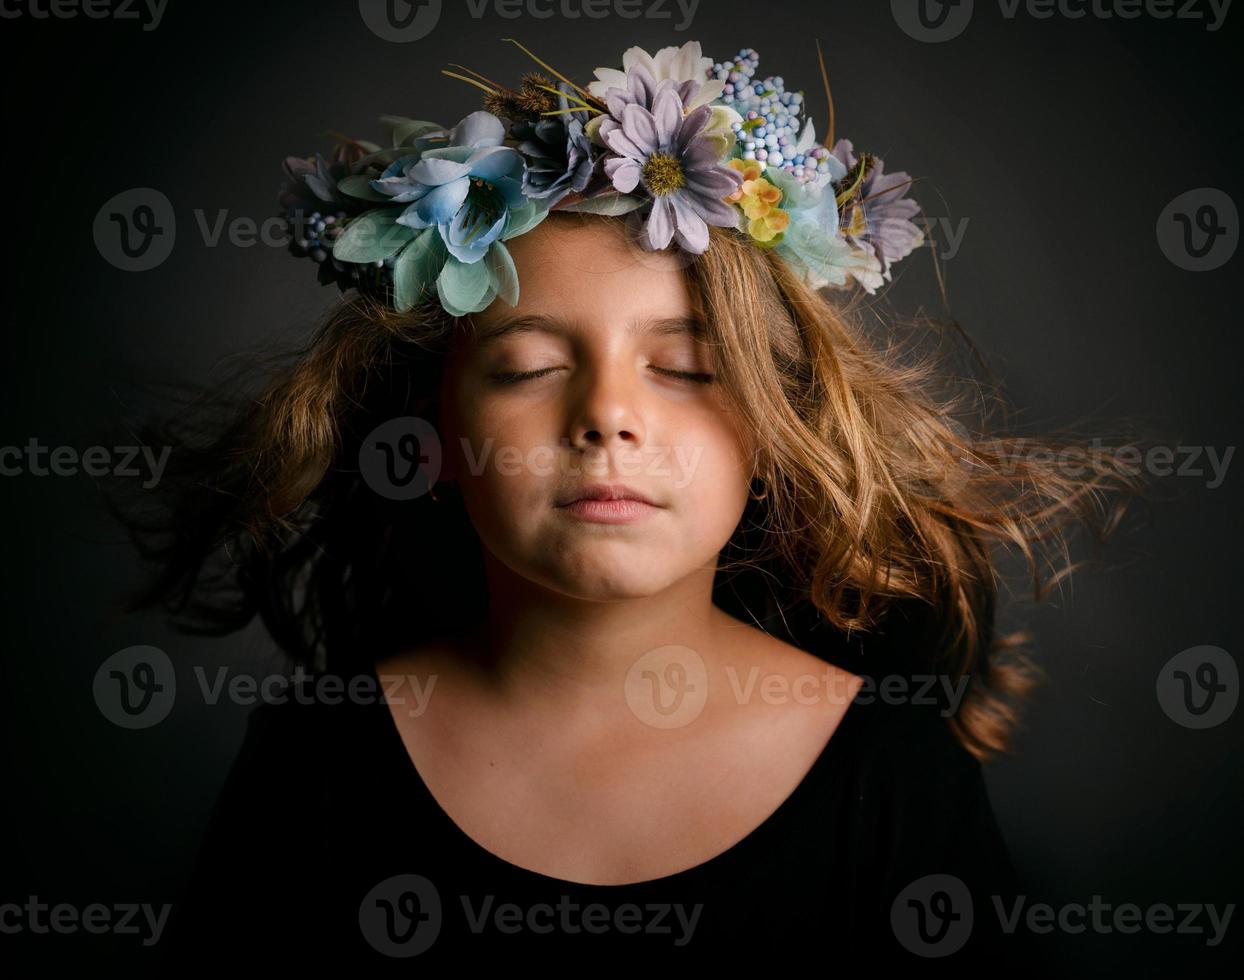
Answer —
393 737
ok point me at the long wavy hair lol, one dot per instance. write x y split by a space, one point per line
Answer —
890 491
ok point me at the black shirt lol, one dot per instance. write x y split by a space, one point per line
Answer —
326 848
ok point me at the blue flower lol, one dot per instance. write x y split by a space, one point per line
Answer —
466 189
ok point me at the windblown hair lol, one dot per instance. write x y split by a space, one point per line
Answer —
886 501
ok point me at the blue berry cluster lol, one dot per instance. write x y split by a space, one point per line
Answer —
772 119
312 235
315 232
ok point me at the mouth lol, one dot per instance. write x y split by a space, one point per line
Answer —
608 504
603 492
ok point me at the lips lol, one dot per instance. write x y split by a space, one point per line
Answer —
605 491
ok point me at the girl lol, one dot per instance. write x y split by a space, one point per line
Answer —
650 616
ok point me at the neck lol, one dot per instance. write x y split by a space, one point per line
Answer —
573 657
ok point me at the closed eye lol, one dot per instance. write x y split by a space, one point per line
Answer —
697 377
513 377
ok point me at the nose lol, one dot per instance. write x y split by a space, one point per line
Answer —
606 411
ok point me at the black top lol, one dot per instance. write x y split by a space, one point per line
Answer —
326 847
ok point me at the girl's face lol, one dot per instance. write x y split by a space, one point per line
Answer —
596 377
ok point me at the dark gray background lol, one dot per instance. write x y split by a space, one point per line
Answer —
1058 141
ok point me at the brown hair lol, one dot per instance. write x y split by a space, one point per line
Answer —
878 497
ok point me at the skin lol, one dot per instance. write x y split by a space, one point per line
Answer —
529 740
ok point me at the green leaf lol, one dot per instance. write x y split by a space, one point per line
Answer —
612 204
368 145
464 287
357 185
501 273
523 218
417 267
382 158
404 130
373 236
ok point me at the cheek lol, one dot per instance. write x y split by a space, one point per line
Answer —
711 472
485 430
505 460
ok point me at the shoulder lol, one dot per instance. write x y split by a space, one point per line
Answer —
921 797
911 744
273 796
294 732
924 822
756 659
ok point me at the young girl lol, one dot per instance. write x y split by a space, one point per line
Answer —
646 611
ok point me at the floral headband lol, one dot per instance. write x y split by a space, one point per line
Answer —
677 140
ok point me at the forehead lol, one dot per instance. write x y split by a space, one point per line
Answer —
579 269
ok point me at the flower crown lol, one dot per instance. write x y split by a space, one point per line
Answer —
679 140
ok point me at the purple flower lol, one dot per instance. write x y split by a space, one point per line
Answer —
677 164
877 216
560 158
639 87
311 183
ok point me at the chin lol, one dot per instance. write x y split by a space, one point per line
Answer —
612 581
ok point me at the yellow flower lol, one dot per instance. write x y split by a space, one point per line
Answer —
750 169
758 200
770 226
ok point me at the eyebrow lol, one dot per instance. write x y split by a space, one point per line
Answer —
545 323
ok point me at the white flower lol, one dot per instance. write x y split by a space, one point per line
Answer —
681 64
865 269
